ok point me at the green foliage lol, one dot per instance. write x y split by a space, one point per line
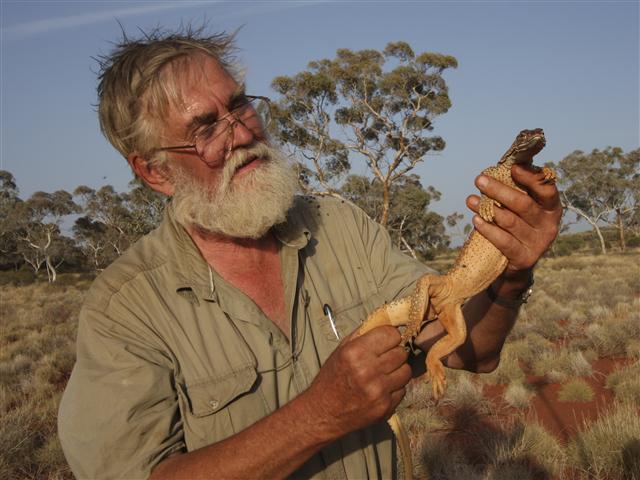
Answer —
383 102
576 391
411 225
602 186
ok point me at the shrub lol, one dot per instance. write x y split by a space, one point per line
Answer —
526 449
625 383
465 394
18 278
576 391
517 395
610 446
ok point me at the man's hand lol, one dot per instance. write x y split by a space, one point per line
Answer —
361 382
526 225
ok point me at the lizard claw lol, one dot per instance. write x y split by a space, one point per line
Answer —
549 175
485 210
435 373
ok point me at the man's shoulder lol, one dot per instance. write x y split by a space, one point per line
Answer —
326 212
143 257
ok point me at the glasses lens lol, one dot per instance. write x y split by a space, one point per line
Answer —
255 115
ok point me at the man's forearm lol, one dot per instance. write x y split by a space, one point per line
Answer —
274 447
488 325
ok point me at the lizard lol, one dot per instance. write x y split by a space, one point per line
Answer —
478 264
440 297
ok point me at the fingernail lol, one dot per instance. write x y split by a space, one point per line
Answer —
482 181
477 220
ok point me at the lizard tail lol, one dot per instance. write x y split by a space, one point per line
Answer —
403 444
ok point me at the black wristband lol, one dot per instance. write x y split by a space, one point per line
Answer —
512 303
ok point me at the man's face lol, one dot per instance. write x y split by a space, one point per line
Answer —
240 190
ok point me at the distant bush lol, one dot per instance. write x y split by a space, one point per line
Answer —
18 278
576 391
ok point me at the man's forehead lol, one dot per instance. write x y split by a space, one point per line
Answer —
201 84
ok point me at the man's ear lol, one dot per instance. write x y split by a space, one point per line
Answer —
154 176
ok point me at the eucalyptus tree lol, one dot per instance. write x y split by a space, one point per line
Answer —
601 187
374 106
413 228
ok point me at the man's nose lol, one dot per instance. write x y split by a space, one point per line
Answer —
240 134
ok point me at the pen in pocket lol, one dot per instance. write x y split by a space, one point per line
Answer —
329 313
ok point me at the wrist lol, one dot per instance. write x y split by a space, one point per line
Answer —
511 289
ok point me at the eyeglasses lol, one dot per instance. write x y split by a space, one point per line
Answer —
254 112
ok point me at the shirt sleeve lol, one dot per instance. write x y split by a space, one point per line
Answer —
119 415
394 272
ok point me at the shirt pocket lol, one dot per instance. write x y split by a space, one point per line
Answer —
219 407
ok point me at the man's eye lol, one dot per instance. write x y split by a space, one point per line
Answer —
206 131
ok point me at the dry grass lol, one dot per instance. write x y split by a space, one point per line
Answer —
610 446
576 391
37 352
583 308
625 383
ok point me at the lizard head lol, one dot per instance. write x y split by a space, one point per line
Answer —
527 144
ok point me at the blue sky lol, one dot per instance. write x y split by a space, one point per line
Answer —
568 67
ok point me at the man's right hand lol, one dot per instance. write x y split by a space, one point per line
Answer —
361 382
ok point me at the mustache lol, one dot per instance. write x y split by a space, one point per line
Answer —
241 157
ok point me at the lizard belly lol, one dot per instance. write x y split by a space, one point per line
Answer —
479 264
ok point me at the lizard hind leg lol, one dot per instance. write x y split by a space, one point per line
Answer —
419 302
453 322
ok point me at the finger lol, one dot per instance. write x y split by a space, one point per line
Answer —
396 397
398 378
503 240
381 339
533 180
509 197
392 359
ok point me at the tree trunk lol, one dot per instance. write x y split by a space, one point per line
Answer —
593 223
386 204
603 246
51 270
623 245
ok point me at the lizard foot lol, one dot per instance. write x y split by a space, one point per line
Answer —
435 373
485 210
549 175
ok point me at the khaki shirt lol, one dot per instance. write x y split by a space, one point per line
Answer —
171 357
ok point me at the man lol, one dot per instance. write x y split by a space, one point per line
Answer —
204 351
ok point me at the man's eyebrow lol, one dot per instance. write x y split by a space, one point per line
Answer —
210 117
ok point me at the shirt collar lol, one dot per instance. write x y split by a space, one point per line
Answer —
192 272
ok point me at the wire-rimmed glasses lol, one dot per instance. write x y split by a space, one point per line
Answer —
254 113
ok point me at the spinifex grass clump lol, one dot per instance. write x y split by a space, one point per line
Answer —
517 395
609 447
576 391
625 383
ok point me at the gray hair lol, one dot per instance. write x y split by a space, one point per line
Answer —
132 93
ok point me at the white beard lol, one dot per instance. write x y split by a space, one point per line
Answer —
245 207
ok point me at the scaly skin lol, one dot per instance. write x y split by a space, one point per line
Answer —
477 266
441 297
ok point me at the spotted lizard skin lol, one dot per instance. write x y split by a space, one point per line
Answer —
440 297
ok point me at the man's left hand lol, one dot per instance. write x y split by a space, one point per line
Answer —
527 223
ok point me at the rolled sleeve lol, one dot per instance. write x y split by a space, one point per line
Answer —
119 415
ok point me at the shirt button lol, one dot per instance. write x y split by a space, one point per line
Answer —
213 404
